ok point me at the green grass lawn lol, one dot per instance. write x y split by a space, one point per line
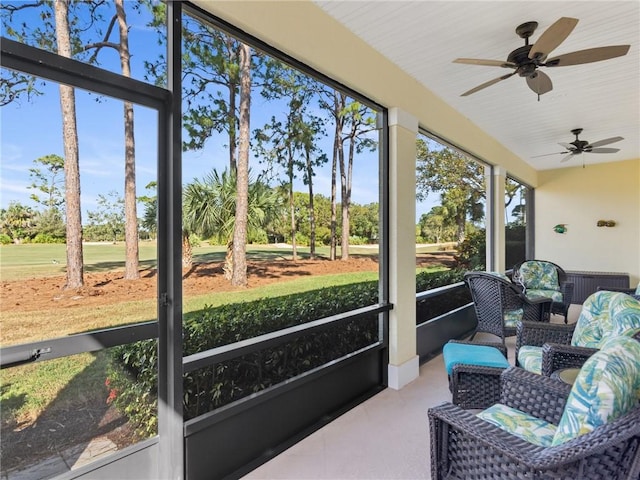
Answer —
26 391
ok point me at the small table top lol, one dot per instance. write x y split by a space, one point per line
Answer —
566 375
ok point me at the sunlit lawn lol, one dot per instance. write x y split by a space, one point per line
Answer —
27 390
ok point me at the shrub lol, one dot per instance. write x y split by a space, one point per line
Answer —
5 239
133 367
46 238
472 251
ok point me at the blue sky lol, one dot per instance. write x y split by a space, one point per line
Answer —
29 130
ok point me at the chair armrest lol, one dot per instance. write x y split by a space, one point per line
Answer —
566 288
614 436
629 291
537 334
556 356
534 394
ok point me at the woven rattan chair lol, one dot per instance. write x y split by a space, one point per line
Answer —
560 346
464 446
531 276
500 305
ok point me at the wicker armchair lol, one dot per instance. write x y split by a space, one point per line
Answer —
544 278
546 348
500 305
465 446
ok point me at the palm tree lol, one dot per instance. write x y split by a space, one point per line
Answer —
209 207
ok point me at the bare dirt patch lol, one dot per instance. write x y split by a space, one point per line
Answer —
110 287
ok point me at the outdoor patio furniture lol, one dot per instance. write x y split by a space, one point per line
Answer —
541 278
473 371
499 304
545 348
634 292
546 429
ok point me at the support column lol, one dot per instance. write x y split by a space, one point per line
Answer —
403 359
496 214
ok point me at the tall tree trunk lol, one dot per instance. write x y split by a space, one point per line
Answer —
231 118
292 215
75 277
242 186
187 250
347 179
131 271
312 213
231 113
338 105
344 239
460 222
334 163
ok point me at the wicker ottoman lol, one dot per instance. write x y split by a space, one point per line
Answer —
474 372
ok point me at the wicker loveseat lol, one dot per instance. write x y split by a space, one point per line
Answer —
541 428
546 348
546 279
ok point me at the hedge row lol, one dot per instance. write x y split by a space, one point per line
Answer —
133 368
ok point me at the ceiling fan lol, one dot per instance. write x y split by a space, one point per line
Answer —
526 60
582 146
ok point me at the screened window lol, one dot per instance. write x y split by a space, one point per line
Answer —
515 203
450 208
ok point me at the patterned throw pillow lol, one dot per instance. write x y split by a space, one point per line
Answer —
530 358
589 327
538 275
624 311
606 388
605 314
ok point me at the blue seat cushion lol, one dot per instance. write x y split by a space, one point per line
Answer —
464 353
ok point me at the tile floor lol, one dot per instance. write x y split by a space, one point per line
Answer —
386 437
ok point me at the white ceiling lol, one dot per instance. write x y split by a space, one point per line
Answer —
424 37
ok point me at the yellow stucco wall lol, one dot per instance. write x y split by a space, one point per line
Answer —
580 197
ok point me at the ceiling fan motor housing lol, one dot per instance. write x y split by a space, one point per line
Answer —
520 56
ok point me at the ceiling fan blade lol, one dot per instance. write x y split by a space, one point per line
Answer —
567 157
568 146
589 55
604 150
488 63
549 154
552 37
539 82
487 84
606 141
